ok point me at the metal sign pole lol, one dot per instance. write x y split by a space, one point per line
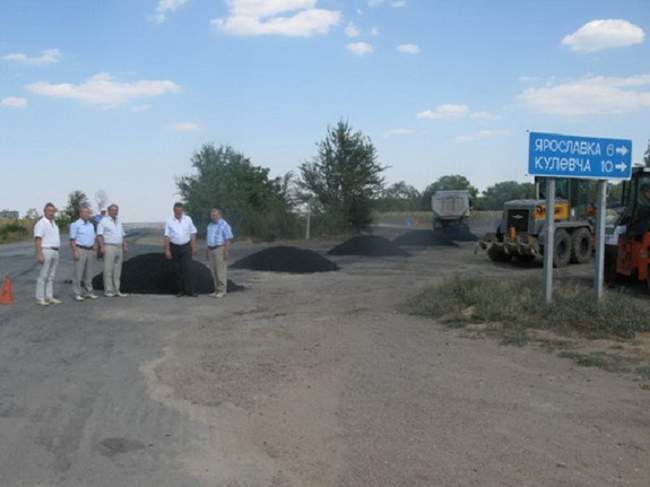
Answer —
549 242
600 237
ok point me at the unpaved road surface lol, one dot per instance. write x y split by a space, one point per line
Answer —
312 380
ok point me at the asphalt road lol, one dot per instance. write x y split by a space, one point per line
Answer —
299 381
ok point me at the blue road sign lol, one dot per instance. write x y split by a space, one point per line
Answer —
568 156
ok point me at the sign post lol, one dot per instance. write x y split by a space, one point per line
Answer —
601 220
567 156
549 244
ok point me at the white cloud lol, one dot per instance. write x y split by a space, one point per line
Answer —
13 102
591 95
392 3
293 18
164 8
102 90
445 111
483 134
374 31
449 110
360 48
140 108
352 30
399 131
184 127
408 49
604 34
48 56
483 116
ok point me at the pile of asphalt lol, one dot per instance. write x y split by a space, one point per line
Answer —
457 234
424 238
286 259
368 245
154 274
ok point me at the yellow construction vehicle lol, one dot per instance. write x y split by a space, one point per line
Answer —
522 231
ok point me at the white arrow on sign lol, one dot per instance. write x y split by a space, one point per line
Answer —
622 150
621 167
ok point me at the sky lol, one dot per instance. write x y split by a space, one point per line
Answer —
118 94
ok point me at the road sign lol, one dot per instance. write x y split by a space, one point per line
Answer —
569 156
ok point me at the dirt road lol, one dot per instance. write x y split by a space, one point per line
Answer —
312 380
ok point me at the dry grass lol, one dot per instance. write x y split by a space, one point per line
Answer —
14 230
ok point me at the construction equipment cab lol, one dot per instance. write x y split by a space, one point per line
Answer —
627 239
522 230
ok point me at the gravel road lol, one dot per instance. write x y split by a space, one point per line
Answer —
301 380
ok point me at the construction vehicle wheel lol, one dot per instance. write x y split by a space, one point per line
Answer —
525 258
497 254
581 246
562 254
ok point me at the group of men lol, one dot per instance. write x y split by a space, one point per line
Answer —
105 236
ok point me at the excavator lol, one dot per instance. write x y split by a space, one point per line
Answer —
627 239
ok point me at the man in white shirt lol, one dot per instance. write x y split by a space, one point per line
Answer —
110 236
218 238
47 242
180 246
82 244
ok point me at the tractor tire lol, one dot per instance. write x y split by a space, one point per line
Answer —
524 258
562 253
581 246
498 255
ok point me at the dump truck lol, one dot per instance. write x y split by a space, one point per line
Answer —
521 232
627 236
450 208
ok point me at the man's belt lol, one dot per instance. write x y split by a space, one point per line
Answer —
214 247
51 248
85 247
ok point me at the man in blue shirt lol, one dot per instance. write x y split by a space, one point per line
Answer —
82 243
218 238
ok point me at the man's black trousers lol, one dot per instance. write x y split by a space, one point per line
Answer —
182 257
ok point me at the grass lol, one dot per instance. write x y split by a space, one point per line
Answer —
517 305
514 311
14 230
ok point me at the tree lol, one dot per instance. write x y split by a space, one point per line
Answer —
646 156
32 214
449 182
101 199
496 195
76 201
344 177
399 197
253 203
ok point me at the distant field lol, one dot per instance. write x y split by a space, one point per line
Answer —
14 230
423 219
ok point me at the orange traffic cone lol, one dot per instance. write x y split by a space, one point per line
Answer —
7 295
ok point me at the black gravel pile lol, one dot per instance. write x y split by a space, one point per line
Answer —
286 259
457 234
424 238
368 245
154 274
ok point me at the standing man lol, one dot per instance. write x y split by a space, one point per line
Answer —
110 236
47 241
82 244
180 245
218 238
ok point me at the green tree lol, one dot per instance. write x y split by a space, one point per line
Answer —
496 195
345 177
76 201
254 204
646 156
399 197
449 182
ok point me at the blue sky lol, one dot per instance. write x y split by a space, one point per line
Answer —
117 94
